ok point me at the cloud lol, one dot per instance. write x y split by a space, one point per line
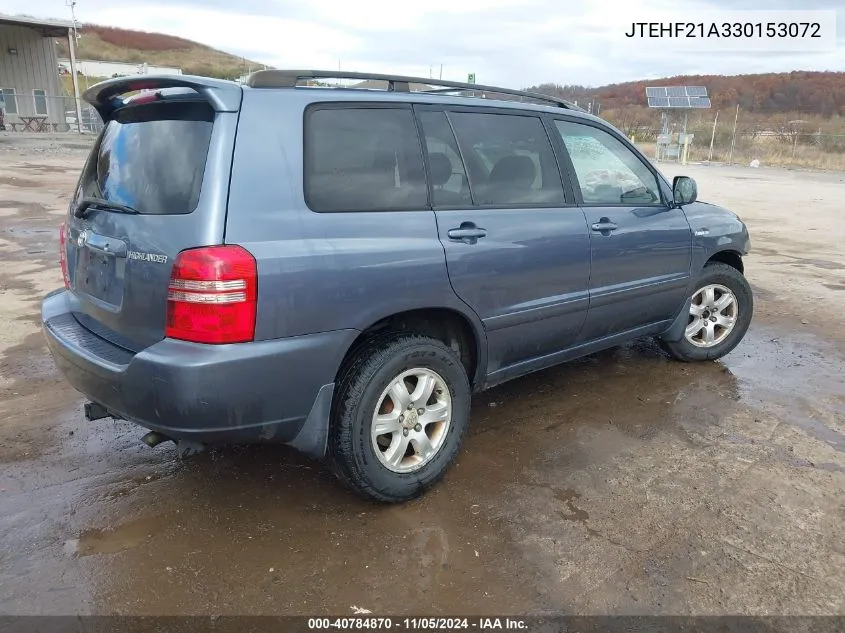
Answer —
508 42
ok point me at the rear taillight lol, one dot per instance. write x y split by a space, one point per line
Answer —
212 295
63 254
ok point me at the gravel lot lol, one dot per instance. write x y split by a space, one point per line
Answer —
621 483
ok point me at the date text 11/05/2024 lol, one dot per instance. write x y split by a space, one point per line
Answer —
410 624
725 29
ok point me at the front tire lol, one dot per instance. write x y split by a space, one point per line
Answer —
719 316
399 416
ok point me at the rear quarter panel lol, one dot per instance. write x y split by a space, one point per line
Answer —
323 271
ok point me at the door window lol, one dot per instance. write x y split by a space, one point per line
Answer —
509 159
449 184
608 172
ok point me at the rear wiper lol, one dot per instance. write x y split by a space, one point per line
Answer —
101 203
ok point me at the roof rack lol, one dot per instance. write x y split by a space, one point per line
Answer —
395 83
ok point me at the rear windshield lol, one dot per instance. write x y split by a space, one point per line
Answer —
151 157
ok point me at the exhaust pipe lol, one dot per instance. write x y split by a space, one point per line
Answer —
154 438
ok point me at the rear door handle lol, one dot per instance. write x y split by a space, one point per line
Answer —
605 226
468 233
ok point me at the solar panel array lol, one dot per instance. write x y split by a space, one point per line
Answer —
677 97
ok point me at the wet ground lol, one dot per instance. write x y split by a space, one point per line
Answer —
621 483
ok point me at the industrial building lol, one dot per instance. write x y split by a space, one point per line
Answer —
29 74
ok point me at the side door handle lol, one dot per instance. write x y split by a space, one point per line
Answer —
467 233
604 226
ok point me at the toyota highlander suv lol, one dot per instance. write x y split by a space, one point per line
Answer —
340 269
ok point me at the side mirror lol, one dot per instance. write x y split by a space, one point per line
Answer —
684 190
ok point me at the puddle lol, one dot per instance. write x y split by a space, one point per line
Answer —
797 374
819 263
19 182
45 170
112 540
569 496
818 430
20 230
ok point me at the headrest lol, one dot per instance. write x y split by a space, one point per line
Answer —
441 168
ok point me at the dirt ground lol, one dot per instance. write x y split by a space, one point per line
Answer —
621 483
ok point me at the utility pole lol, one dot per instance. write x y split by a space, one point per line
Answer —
71 42
441 71
72 36
733 138
72 5
713 137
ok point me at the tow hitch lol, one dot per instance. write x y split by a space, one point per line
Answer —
95 411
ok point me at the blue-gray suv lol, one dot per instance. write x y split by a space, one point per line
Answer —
339 269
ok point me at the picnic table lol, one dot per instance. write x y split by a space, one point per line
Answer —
34 123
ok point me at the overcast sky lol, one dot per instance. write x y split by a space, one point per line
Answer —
514 43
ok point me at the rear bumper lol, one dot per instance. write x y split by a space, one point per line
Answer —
265 391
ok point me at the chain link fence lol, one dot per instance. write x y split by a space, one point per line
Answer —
48 114
783 147
820 151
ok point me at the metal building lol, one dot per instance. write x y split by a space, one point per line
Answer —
104 69
29 73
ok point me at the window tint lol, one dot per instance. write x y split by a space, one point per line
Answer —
10 101
151 157
608 172
40 99
449 184
509 159
363 159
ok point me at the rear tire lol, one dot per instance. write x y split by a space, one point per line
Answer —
414 452
719 317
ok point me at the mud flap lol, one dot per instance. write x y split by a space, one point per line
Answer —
313 436
676 330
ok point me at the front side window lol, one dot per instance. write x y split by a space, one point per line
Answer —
607 171
10 100
363 159
509 159
40 99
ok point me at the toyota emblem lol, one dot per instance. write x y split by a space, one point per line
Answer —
80 241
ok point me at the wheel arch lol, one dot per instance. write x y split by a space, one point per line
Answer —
730 257
456 329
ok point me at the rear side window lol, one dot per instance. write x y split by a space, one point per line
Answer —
449 184
363 159
151 157
509 159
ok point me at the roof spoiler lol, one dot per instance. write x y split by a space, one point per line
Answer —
223 96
